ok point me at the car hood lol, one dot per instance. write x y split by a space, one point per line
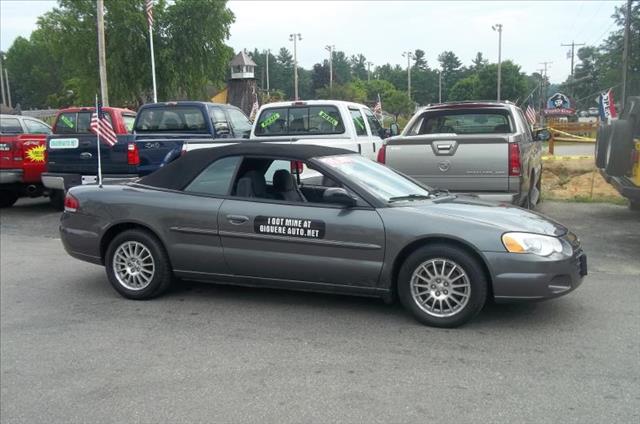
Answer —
500 215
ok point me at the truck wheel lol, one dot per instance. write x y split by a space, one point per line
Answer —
602 142
56 198
137 265
619 148
8 198
442 285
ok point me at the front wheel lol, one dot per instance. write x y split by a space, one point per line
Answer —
442 285
137 265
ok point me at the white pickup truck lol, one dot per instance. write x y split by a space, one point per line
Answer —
334 123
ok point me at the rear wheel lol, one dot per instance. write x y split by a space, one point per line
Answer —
602 143
619 148
442 285
137 265
56 198
8 198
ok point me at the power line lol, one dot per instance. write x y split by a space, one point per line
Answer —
573 47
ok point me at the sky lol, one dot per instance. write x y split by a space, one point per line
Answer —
382 30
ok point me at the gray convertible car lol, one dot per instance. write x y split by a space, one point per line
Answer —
242 214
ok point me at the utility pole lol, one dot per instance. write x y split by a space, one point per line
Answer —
625 53
573 46
409 56
295 37
330 49
439 85
498 27
544 88
542 95
369 71
4 97
267 62
102 61
6 78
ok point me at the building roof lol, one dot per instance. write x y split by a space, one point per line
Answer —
242 59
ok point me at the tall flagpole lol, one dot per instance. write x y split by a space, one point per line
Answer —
98 142
149 9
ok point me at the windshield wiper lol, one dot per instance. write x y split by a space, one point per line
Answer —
408 197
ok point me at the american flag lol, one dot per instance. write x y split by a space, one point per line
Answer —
149 9
255 107
530 113
377 109
101 126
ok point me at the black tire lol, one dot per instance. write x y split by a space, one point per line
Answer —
56 198
602 143
162 275
8 198
477 285
539 188
619 148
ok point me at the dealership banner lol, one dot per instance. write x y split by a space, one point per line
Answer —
559 105
607 106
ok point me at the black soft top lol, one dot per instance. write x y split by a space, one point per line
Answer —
182 171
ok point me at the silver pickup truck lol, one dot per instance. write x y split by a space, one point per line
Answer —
484 148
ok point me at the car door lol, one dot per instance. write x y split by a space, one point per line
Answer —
362 135
302 241
375 129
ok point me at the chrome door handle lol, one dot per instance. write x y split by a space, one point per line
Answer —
237 219
443 146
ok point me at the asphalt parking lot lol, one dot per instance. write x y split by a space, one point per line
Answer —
73 351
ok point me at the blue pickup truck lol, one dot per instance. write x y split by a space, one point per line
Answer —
155 138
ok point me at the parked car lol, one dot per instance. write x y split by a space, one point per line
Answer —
484 148
146 141
333 123
22 157
72 154
618 154
236 214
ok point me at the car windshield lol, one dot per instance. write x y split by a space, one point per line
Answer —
381 181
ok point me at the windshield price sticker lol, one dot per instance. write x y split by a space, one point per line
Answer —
330 119
63 143
270 120
68 122
291 227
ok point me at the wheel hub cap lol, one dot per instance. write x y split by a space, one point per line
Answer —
133 265
440 287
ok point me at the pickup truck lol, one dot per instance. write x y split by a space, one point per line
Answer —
146 141
483 148
22 157
332 123
618 152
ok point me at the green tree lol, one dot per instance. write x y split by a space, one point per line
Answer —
479 62
450 66
419 61
465 89
350 92
359 66
398 103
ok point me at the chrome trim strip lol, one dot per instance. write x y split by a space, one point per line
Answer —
321 242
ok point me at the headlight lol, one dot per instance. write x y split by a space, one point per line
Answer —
533 243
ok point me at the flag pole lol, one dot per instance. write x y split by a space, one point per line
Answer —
153 57
98 143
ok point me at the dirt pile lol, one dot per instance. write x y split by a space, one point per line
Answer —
576 180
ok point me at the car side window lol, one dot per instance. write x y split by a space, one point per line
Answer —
358 122
35 127
241 124
66 123
216 178
219 121
374 124
10 126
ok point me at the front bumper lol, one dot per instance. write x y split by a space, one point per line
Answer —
62 181
531 277
10 176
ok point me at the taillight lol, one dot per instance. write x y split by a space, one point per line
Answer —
382 154
133 156
71 204
514 160
297 167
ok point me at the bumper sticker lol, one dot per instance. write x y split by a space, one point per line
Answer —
291 227
36 154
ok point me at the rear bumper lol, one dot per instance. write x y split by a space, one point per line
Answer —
62 181
11 176
526 277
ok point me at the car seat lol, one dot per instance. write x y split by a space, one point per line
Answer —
252 184
285 187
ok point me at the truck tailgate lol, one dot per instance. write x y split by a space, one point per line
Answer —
453 162
78 154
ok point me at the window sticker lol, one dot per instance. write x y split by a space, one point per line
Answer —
289 227
360 122
68 122
330 119
270 120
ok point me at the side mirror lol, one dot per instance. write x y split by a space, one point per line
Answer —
542 135
338 196
384 133
394 129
